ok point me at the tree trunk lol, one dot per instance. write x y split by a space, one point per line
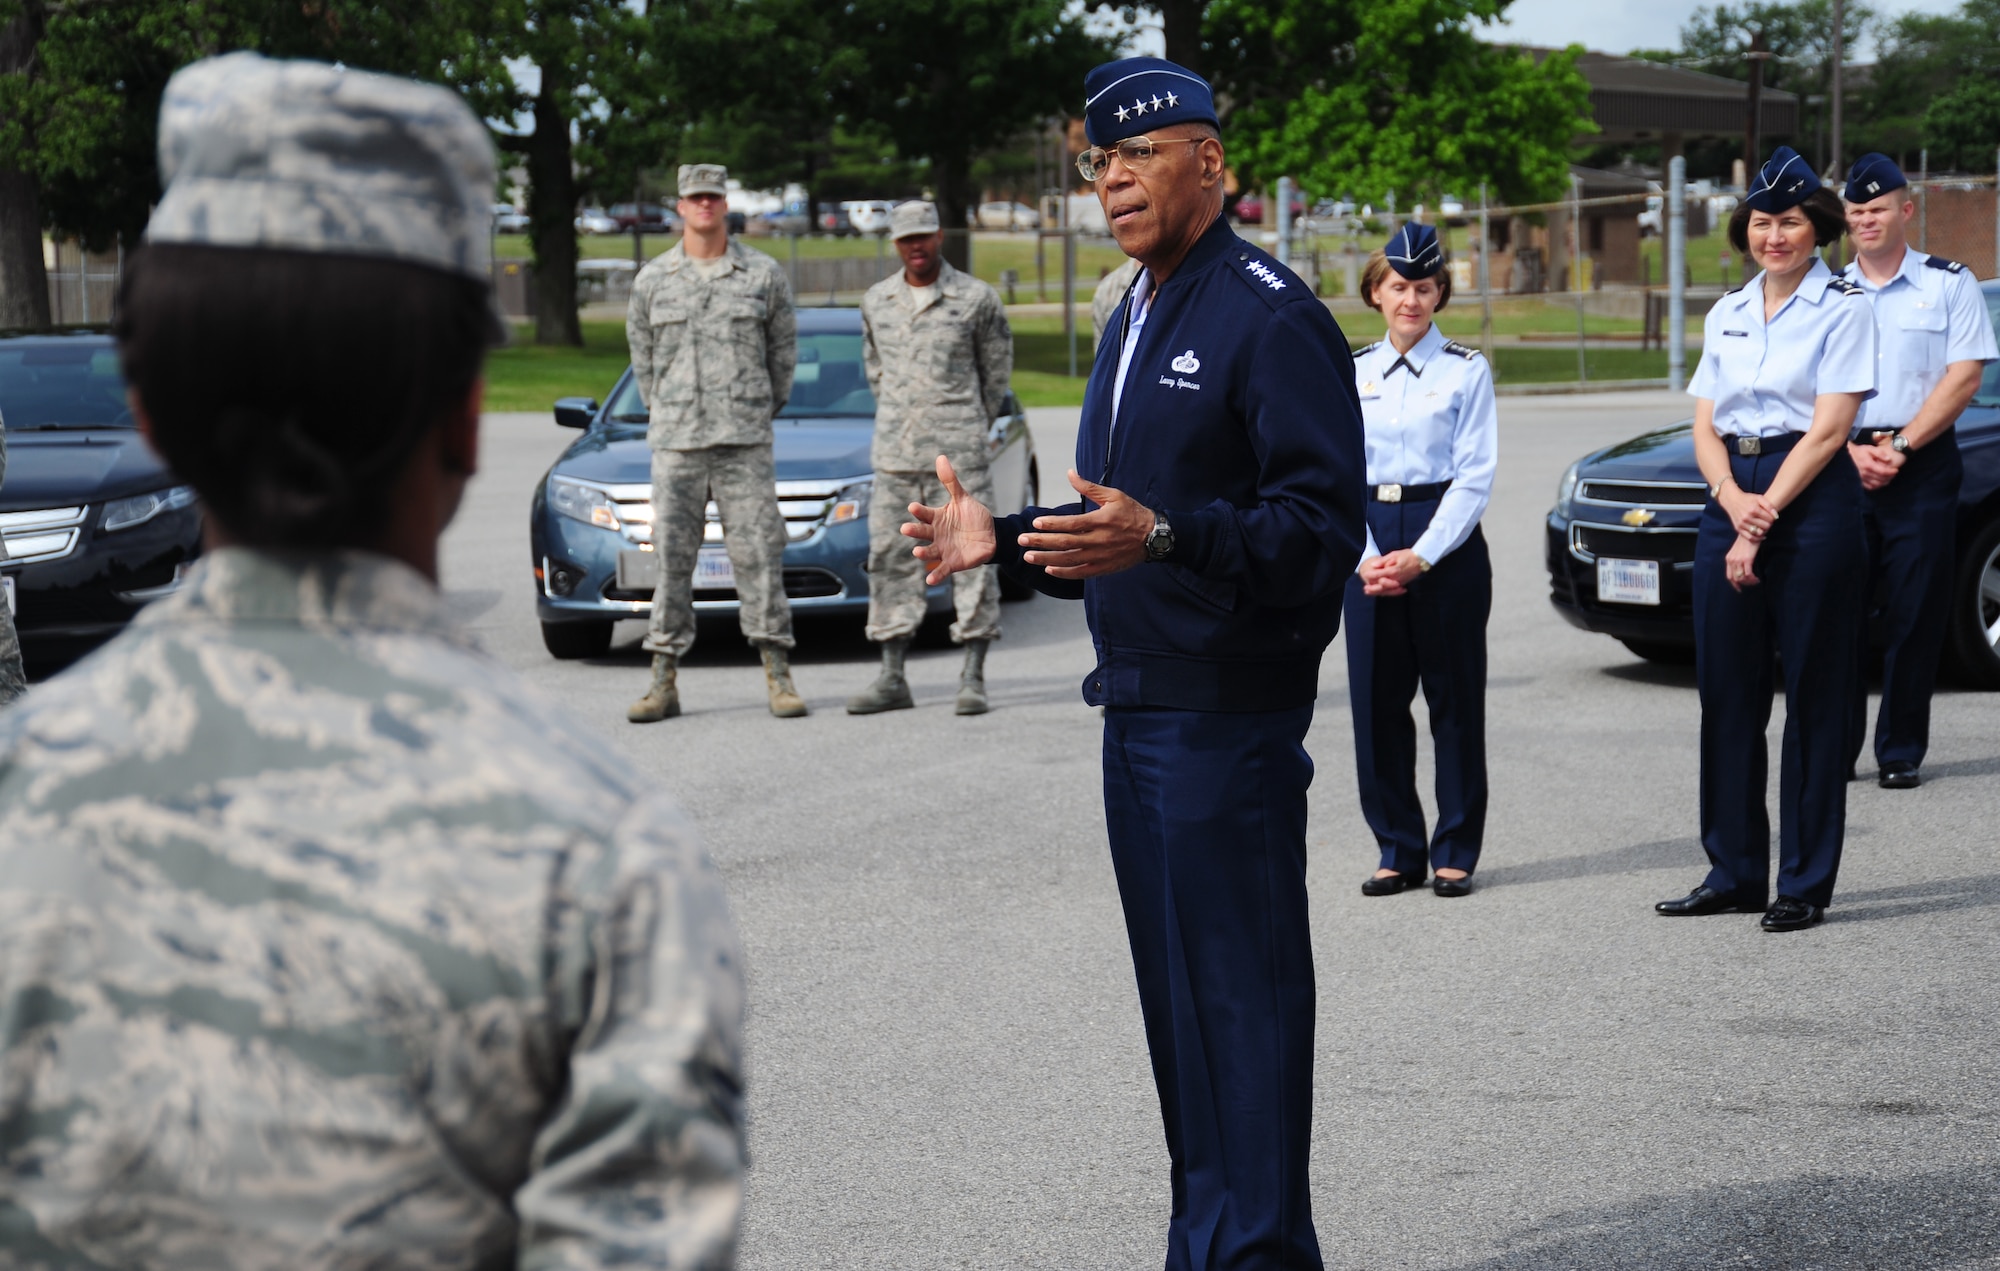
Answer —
552 214
24 280
954 201
1181 23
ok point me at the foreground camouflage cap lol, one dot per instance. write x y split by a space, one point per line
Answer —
704 178
311 157
914 217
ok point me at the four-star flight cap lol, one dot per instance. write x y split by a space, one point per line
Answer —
1785 181
304 156
1128 97
1871 177
703 178
907 220
1415 252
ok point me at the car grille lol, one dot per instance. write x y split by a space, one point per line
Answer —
42 534
1644 494
800 584
1674 544
803 504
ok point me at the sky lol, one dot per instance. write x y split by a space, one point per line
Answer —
1619 26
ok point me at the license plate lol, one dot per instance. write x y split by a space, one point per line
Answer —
712 570
1628 582
7 586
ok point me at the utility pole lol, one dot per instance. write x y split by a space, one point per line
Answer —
1753 127
1838 170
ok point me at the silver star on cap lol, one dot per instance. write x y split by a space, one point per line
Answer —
1139 107
1123 114
1172 100
1156 101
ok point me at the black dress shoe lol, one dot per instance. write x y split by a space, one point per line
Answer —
1448 887
1899 775
1701 902
1389 885
1787 914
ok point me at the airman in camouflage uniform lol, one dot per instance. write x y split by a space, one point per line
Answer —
13 679
939 353
1109 295
714 340
324 943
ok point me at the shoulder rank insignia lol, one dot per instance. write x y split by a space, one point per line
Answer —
1462 350
1366 349
1949 266
1265 274
1844 286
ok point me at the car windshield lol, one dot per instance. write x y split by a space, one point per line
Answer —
61 386
829 383
1989 383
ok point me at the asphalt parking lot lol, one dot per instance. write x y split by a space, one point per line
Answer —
947 1068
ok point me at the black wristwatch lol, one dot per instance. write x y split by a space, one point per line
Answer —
1160 543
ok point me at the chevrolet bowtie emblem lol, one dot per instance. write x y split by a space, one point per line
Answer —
1636 517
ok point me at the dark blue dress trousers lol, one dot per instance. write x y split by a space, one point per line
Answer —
1207 818
1805 612
1434 636
1912 531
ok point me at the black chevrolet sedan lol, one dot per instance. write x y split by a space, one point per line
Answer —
1621 539
93 523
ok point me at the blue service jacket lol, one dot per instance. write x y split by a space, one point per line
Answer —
1241 424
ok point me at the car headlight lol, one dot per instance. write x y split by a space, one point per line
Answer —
123 514
584 503
1566 490
850 503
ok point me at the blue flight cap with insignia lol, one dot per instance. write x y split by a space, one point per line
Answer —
1872 176
1415 252
1785 181
1125 98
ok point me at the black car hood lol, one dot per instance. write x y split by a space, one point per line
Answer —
806 450
64 467
1666 454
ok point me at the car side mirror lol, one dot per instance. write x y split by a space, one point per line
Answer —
1012 405
575 412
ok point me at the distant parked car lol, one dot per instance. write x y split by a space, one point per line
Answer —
595 220
94 524
1007 216
869 216
648 218
508 219
1250 209
833 219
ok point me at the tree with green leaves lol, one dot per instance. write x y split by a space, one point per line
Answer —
1364 98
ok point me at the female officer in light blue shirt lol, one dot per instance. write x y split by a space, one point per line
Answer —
1416 608
1785 365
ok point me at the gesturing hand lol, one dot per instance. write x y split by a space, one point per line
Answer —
1104 540
955 537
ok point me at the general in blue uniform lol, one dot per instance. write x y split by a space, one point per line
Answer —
1221 408
1933 337
1433 438
1785 364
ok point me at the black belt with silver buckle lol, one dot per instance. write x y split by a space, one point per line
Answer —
1767 445
1409 493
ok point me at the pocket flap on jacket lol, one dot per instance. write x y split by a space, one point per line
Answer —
1220 594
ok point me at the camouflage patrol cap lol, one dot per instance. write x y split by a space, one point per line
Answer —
704 178
907 220
305 156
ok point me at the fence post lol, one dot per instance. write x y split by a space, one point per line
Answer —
1576 269
1284 252
1924 201
1677 273
1996 213
1485 281
1069 295
83 279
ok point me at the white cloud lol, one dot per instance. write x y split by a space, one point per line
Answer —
1619 26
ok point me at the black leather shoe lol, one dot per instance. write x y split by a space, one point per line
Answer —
1701 902
1449 887
1787 914
1899 775
1390 885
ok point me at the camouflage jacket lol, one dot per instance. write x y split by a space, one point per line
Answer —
939 372
1109 295
324 943
713 357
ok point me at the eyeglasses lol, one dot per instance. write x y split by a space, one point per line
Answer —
1137 152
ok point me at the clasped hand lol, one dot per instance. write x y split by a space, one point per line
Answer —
1389 574
959 535
1753 515
1877 463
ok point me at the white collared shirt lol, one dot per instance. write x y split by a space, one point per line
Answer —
1139 305
1764 378
1925 319
1429 419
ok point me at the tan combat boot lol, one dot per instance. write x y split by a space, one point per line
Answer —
662 699
785 700
890 691
972 680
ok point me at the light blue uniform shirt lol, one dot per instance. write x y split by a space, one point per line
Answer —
1763 378
1430 419
1927 316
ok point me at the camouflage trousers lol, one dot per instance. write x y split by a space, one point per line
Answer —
13 680
896 578
743 480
